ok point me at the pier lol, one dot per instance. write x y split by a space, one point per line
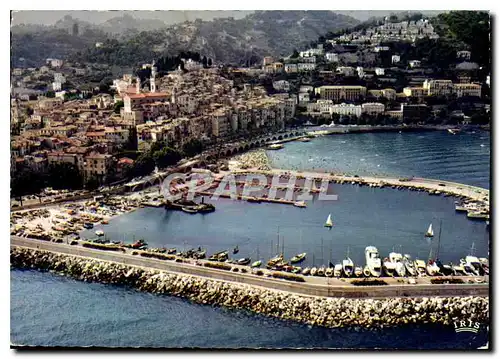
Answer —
312 286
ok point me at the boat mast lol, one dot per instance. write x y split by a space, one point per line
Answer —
278 244
283 247
322 255
439 238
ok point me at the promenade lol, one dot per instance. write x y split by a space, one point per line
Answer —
313 286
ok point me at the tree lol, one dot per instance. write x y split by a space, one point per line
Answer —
192 148
295 54
166 157
92 183
64 176
209 62
118 106
204 61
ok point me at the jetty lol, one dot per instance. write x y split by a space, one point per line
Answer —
312 286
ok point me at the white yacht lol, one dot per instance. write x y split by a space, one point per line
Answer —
373 261
397 259
409 265
420 266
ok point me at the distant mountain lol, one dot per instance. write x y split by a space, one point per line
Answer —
247 40
128 40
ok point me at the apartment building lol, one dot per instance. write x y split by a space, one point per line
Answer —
438 87
372 108
338 93
461 90
344 109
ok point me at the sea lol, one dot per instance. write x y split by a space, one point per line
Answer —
52 310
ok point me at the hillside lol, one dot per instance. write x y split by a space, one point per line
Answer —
226 40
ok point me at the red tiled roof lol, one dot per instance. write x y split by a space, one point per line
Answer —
148 95
125 160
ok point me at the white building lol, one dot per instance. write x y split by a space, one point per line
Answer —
282 85
414 63
55 62
379 71
332 57
380 48
56 86
290 68
346 70
360 71
463 55
395 59
303 67
58 77
303 98
372 108
346 109
306 88
320 106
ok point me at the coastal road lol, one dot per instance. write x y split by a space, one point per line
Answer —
314 286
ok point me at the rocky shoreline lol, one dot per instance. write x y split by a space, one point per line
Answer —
326 312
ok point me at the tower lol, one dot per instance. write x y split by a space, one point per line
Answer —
173 97
138 85
152 80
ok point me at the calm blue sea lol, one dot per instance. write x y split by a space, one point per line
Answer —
47 309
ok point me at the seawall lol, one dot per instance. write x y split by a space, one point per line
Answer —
322 311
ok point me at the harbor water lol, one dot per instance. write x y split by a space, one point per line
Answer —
53 310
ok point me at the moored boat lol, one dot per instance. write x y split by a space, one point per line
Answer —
337 270
321 271
432 268
373 261
298 258
389 267
300 204
99 233
367 272
314 271
397 259
329 272
244 261
420 267
358 271
306 271
256 264
409 265
348 267
275 146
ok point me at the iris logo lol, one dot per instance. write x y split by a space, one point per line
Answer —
466 326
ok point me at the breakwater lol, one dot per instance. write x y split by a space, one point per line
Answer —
327 312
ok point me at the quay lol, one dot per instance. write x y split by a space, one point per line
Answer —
312 286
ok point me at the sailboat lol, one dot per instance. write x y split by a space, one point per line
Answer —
347 265
329 222
258 262
445 269
430 232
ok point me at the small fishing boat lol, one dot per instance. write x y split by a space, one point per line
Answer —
189 210
236 250
433 268
88 225
200 254
171 251
296 270
347 267
421 268
358 271
389 267
329 272
397 259
314 271
304 139
298 258
104 221
99 233
366 271
486 265
275 146
337 270
300 204
244 261
321 271
430 232
409 265
459 270
256 264
306 271
329 222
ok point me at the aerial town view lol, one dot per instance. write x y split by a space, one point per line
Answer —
250 179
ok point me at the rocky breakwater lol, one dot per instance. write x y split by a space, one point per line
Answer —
256 159
327 312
